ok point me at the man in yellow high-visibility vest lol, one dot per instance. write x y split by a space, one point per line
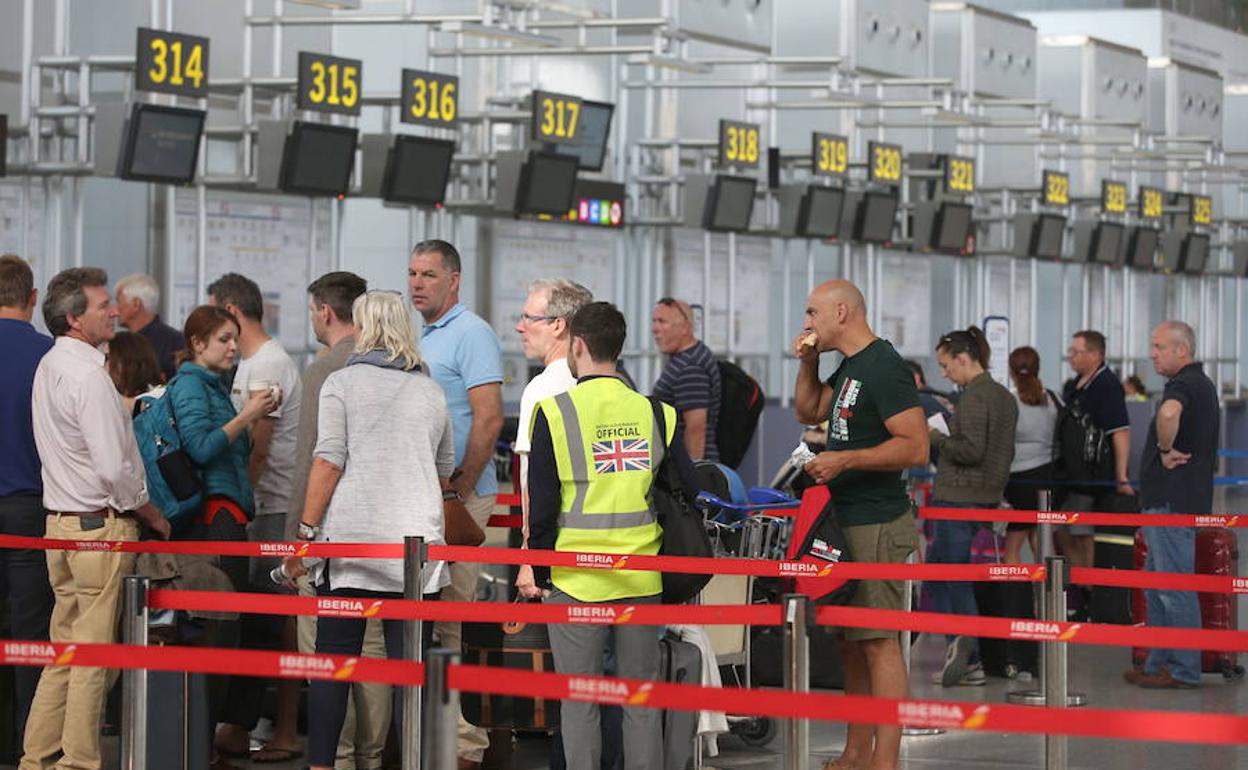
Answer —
594 453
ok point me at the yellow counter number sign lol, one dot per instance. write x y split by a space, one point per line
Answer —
830 155
1056 188
1202 210
171 63
329 83
1113 197
1152 203
738 143
556 117
429 98
884 162
960 175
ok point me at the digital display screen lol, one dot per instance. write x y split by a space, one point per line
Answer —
162 144
547 183
318 159
1106 243
1195 253
730 203
4 144
1142 249
594 128
821 212
1046 236
597 203
953 225
876 217
417 170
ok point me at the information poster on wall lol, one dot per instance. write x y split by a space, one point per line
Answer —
906 312
265 238
997 330
752 313
11 195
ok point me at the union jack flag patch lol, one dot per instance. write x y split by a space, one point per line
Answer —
621 455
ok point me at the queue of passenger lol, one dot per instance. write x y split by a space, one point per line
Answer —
404 428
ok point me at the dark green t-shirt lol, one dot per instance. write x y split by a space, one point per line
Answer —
868 389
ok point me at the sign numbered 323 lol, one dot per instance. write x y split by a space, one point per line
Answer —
171 63
1113 197
329 83
429 98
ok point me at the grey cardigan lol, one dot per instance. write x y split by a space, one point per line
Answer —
975 457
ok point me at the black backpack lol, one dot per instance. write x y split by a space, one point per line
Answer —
1081 450
684 533
740 404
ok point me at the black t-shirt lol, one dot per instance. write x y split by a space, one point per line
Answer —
869 388
1102 399
1189 487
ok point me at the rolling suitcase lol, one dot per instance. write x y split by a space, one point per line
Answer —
679 663
1114 550
1217 553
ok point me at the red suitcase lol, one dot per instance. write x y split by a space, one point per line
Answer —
1217 553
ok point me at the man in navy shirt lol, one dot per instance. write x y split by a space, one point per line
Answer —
1176 476
138 297
1100 394
25 572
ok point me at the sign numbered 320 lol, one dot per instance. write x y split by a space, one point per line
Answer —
429 98
171 63
329 83
883 162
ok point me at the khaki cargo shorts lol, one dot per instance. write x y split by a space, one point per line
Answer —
889 543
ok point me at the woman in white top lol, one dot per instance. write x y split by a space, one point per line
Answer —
1033 446
381 471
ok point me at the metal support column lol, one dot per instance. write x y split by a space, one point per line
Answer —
442 706
134 681
796 678
413 562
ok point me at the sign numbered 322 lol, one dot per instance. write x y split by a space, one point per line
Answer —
329 83
1056 188
171 63
429 98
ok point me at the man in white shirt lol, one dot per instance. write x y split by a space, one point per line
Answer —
543 330
94 488
272 471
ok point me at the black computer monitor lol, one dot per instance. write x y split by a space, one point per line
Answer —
877 215
1142 247
951 227
547 184
161 144
317 159
1195 253
729 203
1046 236
4 144
593 129
1106 243
820 212
417 170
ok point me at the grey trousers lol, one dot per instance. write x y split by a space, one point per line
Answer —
578 649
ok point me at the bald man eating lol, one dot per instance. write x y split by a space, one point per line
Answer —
876 429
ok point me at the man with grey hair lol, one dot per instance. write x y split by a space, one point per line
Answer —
543 330
94 488
1176 476
138 297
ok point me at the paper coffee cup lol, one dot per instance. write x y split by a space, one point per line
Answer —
259 386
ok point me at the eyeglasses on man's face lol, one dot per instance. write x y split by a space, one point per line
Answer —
529 318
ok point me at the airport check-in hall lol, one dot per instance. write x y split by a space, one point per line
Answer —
842 384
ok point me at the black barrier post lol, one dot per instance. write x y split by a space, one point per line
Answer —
442 709
796 677
413 631
134 680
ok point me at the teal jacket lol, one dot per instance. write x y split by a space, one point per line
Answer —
201 405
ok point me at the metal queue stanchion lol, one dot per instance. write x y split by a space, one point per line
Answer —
1055 662
134 680
1052 608
441 746
908 599
796 677
413 631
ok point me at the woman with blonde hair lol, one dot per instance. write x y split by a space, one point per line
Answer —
381 471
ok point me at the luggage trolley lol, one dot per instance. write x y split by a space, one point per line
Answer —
754 525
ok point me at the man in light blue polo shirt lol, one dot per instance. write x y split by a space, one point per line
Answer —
463 356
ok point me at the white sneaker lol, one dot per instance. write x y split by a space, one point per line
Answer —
957 661
974 677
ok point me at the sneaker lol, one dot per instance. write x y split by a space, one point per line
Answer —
957 661
974 677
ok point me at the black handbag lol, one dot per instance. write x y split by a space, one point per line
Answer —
684 533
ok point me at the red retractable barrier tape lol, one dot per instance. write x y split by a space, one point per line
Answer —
1184 727
1084 517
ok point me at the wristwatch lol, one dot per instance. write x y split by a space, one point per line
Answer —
451 494
307 531
1163 450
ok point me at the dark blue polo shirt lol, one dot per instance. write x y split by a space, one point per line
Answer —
167 341
1102 399
1189 487
21 347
